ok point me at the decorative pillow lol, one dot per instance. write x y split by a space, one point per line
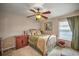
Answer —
35 32
38 32
60 43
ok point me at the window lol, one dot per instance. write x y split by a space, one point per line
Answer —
65 31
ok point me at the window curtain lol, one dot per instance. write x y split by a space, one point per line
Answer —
74 25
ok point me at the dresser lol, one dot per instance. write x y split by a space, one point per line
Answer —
21 41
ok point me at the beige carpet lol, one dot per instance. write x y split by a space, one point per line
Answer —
29 51
25 51
58 51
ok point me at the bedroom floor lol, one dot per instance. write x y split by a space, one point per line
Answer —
58 51
27 51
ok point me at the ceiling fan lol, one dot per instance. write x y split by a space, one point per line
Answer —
38 14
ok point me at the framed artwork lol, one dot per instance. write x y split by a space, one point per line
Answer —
48 26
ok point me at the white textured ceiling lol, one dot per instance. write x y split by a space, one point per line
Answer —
57 9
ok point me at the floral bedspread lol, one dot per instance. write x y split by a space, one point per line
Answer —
43 42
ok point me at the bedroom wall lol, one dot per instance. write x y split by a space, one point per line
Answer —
14 24
0 24
55 26
56 20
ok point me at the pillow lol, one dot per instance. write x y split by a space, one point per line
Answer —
35 32
61 43
38 32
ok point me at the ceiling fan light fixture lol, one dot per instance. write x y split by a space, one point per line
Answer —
38 16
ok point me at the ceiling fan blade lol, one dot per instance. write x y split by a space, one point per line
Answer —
47 12
30 16
45 17
33 10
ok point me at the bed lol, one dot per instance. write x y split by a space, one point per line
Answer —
43 43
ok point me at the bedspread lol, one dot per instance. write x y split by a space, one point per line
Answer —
44 43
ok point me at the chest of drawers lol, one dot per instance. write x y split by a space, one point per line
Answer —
21 41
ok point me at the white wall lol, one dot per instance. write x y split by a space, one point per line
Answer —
0 24
14 24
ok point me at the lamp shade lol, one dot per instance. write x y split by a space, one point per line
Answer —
38 16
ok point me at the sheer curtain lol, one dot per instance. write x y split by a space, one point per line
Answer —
74 25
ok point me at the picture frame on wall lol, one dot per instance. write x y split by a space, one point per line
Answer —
48 26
